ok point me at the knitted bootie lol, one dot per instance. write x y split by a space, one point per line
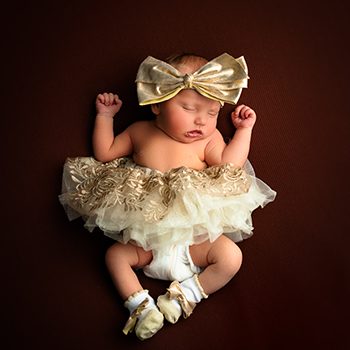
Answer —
181 298
144 312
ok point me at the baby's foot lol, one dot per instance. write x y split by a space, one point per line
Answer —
149 325
174 303
144 312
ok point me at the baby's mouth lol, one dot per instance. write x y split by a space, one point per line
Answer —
194 133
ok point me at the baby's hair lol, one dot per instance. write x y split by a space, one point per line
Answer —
183 58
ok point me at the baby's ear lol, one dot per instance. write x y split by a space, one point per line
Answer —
155 108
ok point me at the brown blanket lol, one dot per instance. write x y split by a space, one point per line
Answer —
292 291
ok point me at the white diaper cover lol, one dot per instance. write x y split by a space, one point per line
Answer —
172 263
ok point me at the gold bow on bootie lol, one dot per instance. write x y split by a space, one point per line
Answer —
221 79
130 324
175 292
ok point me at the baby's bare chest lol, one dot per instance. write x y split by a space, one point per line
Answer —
164 153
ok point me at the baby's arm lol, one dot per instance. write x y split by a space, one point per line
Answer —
106 146
237 150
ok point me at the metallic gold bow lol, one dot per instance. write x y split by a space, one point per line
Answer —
221 79
130 323
175 292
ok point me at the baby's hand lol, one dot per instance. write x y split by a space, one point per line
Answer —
243 117
108 104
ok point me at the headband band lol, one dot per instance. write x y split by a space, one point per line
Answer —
221 79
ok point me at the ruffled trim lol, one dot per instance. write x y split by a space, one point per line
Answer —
131 297
204 295
91 186
152 209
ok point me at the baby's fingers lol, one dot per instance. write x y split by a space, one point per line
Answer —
248 113
108 99
117 100
237 111
100 98
244 112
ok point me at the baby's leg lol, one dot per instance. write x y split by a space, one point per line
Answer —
120 261
221 260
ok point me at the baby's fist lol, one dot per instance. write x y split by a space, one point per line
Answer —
243 117
108 104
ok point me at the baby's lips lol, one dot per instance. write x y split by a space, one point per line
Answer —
194 133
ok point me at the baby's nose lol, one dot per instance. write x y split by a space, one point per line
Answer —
200 119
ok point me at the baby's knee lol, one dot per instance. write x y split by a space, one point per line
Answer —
111 253
127 254
116 253
231 258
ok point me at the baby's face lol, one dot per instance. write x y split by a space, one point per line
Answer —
187 117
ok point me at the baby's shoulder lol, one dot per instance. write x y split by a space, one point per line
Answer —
216 136
140 126
215 140
140 129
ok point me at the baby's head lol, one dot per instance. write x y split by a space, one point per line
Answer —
186 92
187 116
186 63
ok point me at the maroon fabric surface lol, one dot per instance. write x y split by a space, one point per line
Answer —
292 291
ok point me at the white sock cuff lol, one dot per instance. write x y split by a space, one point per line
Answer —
136 299
191 290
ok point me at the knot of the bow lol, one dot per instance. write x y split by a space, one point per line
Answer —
175 292
188 79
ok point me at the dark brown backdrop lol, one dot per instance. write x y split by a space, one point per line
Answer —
293 289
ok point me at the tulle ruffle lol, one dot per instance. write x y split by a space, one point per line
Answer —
153 209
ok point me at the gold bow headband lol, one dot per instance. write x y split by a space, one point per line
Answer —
221 79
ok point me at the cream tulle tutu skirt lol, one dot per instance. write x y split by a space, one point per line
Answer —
152 209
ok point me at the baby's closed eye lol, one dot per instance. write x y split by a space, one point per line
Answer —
189 108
